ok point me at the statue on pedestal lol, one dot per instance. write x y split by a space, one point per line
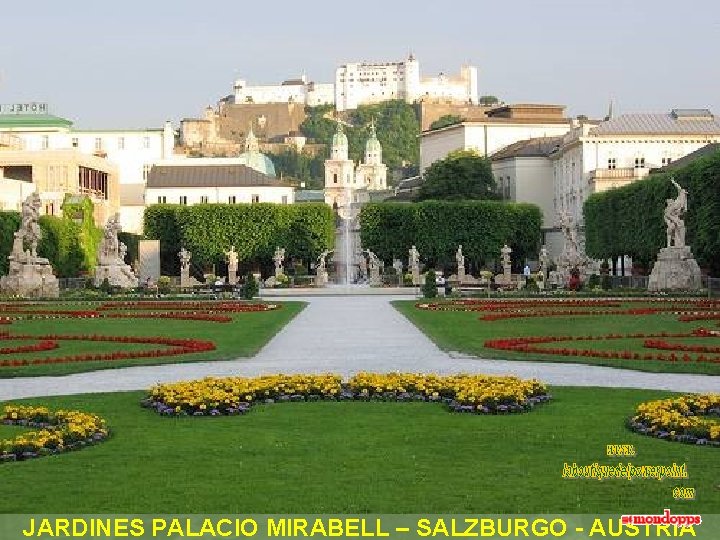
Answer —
676 267
29 275
375 265
414 265
111 253
232 260
321 274
460 259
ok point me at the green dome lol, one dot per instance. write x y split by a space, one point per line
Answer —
339 139
258 161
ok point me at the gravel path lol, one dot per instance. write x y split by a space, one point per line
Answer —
346 334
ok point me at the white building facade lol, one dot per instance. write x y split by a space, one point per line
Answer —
290 91
362 83
594 157
504 126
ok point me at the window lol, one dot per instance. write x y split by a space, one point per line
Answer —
74 142
146 172
284 199
335 178
162 199
231 199
50 209
639 162
666 160
612 163
255 198
45 142
203 199
146 142
121 143
98 144
183 200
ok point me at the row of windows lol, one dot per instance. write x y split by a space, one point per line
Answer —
639 162
232 199
654 142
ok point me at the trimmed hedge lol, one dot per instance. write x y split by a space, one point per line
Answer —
629 220
437 227
208 231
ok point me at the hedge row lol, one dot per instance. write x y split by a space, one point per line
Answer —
437 227
629 220
208 231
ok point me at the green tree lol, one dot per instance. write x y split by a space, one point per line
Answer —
488 101
446 120
462 175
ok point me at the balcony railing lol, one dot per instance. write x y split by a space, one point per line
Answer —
623 173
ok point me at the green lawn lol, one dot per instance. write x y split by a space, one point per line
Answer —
358 458
243 337
462 331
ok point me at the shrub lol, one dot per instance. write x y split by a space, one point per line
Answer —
429 288
250 288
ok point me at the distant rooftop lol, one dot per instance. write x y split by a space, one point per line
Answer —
676 122
32 120
537 147
192 176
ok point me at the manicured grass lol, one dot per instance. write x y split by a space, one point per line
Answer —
462 331
358 458
243 337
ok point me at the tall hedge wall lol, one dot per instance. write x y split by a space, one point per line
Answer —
208 231
61 243
437 227
629 220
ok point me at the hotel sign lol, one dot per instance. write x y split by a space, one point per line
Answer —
24 108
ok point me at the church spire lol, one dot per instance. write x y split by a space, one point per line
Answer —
251 142
373 149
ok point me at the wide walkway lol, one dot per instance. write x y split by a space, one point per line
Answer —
346 334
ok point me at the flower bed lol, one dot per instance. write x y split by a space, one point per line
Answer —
174 347
687 419
533 344
479 394
58 431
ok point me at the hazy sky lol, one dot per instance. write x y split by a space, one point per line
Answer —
133 63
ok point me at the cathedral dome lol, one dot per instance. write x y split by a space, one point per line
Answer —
339 138
253 158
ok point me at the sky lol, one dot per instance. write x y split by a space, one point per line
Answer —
136 64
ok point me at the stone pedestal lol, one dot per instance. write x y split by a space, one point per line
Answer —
118 275
186 280
321 278
416 280
232 276
31 277
676 269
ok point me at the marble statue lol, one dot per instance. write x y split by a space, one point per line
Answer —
375 266
186 280
460 259
278 258
362 267
398 266
321 274
544 259
505 278
232 260
676 267
29 275
110 259
414 265
572 256
674 211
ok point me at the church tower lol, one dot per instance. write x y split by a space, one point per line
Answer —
372 173
339 171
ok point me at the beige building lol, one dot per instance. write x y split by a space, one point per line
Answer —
503 126
55 173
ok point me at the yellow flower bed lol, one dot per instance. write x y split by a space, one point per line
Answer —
685 419
58 431
235 395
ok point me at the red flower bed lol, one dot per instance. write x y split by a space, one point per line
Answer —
175 346
531 345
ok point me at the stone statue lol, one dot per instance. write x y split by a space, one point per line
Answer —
111 253
572 256
185 257
674 210
398 266
505 255
321 275
374 264
460 259
676 268
414 265
505 278
278 258
362 267
544 259
28 274
232 260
